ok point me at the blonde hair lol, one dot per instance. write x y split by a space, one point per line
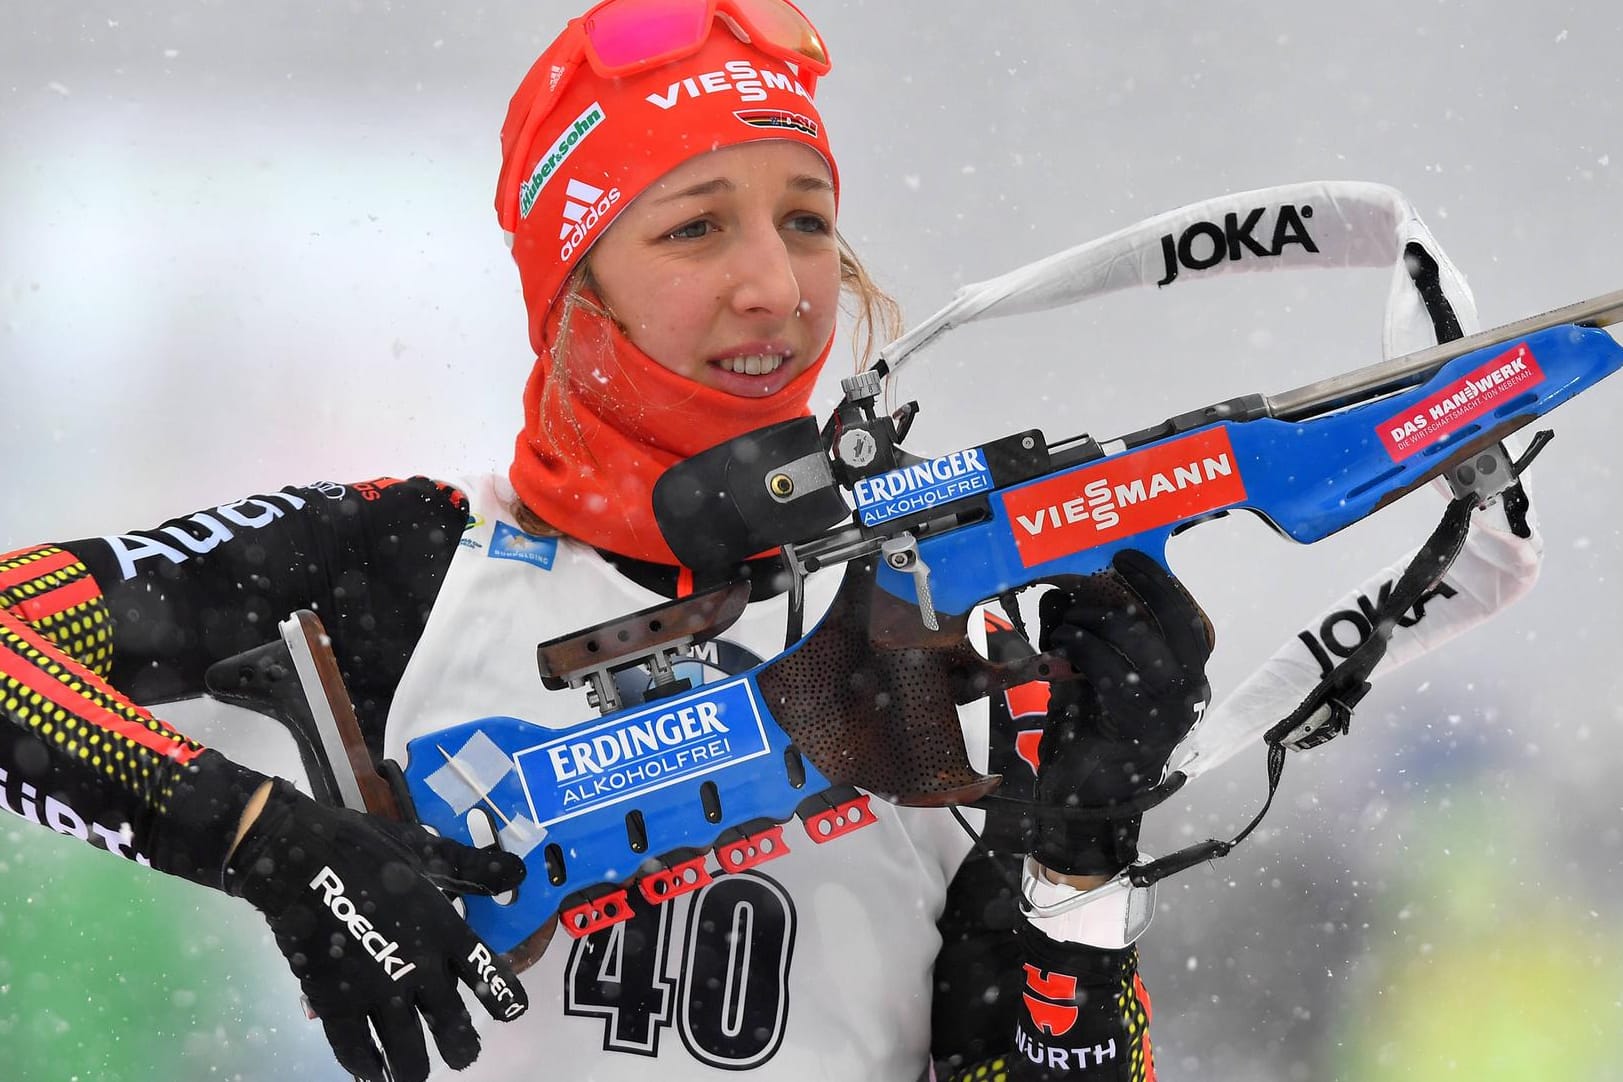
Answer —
876 315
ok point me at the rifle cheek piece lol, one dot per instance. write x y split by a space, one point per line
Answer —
880 718
748 495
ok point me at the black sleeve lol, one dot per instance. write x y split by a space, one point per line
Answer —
1009 1003
1012 1004
1083 1013
977 972
367 557
977 976
93 630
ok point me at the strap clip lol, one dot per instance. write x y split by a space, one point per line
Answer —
1333 718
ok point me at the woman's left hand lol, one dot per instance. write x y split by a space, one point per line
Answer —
1141 687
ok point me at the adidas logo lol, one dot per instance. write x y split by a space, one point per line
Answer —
584 208
578 203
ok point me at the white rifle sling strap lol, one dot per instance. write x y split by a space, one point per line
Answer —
1317 225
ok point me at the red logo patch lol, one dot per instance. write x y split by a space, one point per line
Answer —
1042 989
1124 496
1026 745
1460 403
1027 699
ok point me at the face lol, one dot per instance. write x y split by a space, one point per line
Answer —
726 270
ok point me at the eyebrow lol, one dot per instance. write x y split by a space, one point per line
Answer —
805 182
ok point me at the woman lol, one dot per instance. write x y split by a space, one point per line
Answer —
671 197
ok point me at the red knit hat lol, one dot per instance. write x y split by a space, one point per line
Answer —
572 161
577 148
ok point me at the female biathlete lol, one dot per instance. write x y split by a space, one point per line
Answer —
670 194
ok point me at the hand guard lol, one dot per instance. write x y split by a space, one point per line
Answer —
355 903
1141 688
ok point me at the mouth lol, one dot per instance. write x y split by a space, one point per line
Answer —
756 371
753 364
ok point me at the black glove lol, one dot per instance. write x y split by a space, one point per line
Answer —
1142 685
354 901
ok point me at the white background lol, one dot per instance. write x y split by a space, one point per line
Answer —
249 245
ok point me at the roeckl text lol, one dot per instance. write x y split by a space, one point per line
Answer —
384 950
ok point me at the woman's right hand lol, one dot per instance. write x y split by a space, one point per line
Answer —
356 904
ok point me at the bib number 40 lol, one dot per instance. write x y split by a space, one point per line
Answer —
729 996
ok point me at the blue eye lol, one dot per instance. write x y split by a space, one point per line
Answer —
809 223
691 231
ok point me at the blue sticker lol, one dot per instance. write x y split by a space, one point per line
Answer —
718 726
511 543
922 486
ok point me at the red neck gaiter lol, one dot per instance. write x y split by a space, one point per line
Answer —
593 445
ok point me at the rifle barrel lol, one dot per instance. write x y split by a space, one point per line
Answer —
1327 395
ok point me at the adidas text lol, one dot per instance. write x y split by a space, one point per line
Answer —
1232 240
584 208
370 939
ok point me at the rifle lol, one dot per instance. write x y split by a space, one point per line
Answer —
637 798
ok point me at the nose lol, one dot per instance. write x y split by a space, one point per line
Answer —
763 274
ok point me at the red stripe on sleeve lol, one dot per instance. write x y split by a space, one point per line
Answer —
58 600
30 675
33 569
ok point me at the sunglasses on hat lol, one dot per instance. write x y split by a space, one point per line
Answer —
623 37
618 38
